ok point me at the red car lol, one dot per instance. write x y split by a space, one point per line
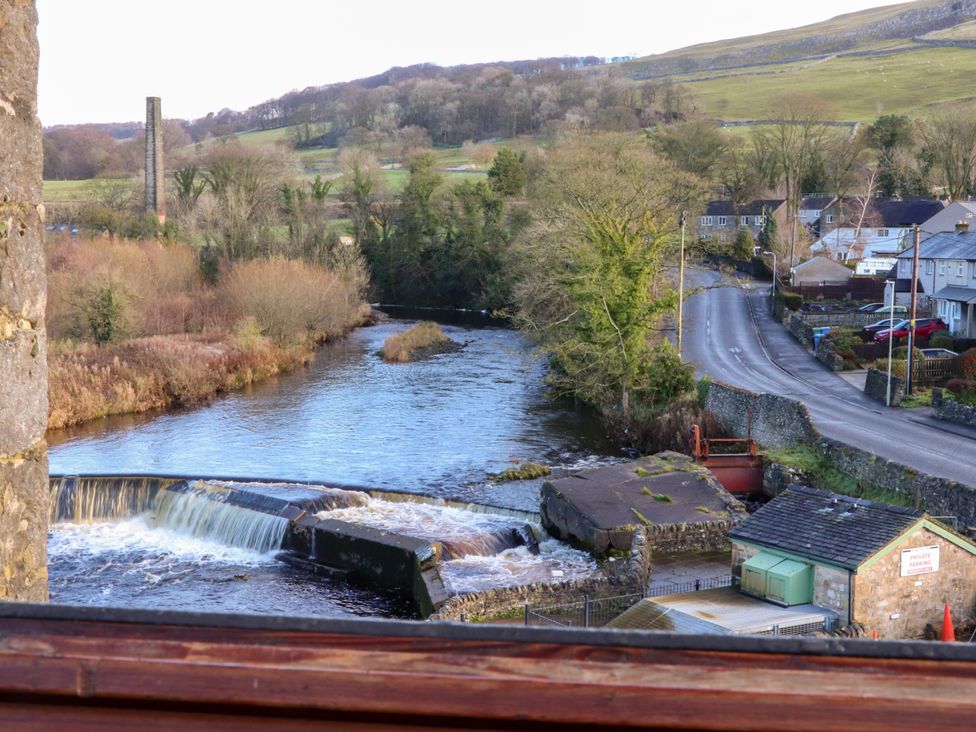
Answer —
924 328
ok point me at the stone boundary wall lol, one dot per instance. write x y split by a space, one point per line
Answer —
620 578
800 329
876 387
947 408
776 421
784 422
705 536
827 355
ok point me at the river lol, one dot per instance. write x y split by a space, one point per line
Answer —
437 427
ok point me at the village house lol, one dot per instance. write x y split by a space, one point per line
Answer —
946 278
722 219
871 231
889 569
821 270
811 210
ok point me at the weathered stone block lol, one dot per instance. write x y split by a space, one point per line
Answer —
23 390
24 506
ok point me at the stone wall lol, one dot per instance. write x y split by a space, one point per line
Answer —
947 408
827 355
783 422
937 496
900 607
831 589
712 536
876 387
23 364
776 421
619 578
800 329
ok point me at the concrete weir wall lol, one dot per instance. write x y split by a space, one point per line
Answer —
23 369
782 422
372 556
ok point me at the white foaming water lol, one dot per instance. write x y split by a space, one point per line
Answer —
517 566
461 532
201 513
135 535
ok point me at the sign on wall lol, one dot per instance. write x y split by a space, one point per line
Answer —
921 560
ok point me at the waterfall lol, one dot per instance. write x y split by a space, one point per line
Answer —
206 514
89 500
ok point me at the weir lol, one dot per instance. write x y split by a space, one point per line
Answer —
396 542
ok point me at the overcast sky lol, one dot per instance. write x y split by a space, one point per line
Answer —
100 58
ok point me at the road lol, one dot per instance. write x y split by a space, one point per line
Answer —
731 337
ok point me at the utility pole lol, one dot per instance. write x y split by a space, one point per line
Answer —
681 279
772 299
911 321
890 293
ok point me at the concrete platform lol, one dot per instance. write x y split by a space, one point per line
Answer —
724 611
678 504
671 570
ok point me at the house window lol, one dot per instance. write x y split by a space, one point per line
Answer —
830 218
722 220
941 268
929 267
757 220
706 220
743 220
974 270
961 269
882 232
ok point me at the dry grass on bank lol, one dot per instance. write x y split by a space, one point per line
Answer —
422 339
176 340
88 382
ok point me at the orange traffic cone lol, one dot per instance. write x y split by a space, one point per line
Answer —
948 631
874 634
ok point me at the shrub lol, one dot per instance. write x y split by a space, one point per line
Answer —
104 310
966 365
401 347
963 390
793 300
941 340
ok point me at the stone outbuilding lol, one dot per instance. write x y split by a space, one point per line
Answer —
887 568
819 270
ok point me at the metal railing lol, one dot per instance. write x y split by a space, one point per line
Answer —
597 612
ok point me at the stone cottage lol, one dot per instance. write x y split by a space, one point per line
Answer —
888 568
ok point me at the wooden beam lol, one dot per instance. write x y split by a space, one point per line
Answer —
174 672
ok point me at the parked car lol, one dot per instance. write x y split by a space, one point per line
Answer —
880 308
868 331
924 327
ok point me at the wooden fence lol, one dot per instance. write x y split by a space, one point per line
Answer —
856 288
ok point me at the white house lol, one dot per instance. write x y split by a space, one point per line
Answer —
947 277
885 229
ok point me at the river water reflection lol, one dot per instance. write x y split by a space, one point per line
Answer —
436 426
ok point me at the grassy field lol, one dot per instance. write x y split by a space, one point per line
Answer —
57 191
858 88
824 37
961 32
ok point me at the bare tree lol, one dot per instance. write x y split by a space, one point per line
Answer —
792 142
949 138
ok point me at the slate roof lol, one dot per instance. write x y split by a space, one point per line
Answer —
753 208
947 245
824 526
960 294
895 213
816 203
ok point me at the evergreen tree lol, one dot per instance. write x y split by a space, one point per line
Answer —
507 173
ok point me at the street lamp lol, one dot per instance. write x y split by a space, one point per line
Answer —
772 298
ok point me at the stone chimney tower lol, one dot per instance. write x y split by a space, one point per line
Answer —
24 500
155 171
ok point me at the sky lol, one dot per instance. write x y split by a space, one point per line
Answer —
101 58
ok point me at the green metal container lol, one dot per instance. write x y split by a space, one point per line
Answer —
754 573
790 583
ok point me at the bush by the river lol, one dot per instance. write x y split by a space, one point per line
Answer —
134 326
422 340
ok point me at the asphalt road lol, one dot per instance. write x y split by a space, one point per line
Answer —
731 336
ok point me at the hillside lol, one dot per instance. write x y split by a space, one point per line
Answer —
836 35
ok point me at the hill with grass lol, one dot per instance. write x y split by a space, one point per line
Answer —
897 59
